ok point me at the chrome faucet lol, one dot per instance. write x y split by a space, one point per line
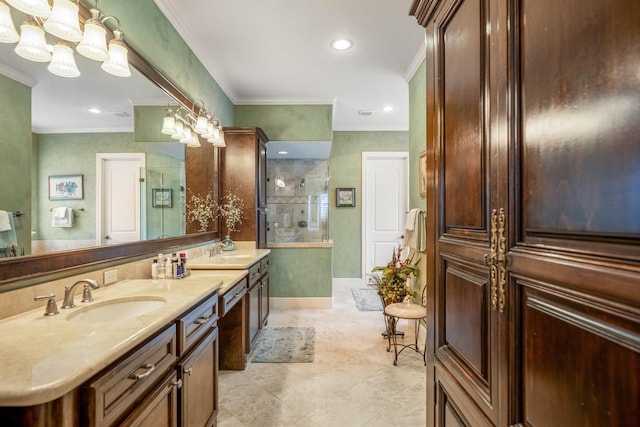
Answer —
216 248
86 296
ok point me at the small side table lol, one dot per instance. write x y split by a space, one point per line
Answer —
410 311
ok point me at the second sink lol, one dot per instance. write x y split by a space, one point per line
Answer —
116 309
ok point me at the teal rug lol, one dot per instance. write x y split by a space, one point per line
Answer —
367 299
286 345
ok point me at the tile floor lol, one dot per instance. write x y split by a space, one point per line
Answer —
352 381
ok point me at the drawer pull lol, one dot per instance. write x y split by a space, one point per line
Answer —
149 367
202 319
188 371
237 294
177 384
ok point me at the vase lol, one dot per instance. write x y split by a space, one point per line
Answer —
229 244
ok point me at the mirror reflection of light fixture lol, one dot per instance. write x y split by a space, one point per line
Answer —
187 126
63 22
280 182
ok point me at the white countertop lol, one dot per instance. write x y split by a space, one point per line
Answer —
44 357
239 259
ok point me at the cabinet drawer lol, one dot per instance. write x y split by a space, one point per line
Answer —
254 274
114 392
264 265
196 323
232 297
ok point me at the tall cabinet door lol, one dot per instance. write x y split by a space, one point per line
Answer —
574 288
465 216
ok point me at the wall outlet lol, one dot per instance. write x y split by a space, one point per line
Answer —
110 276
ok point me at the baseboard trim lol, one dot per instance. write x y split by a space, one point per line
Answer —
312 303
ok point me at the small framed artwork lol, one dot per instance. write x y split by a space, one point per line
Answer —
345 197
161 197
65 187
422 184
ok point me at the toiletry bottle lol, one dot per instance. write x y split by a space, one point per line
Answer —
161 267
168 269
154 269
183 264
174 266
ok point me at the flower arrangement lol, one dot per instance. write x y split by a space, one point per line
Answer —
202 209
391 280
231 210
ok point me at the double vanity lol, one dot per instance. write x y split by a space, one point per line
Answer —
143 352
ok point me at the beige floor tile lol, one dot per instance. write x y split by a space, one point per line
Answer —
352 381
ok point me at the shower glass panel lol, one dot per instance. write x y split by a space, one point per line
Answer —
165 202
297 200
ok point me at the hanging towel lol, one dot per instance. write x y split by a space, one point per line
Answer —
416 238
410 221
5 222
8 236
62 217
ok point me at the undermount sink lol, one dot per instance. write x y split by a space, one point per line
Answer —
116 309
235 256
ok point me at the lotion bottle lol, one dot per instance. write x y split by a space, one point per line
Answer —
154 269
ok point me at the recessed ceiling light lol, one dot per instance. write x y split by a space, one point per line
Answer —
341 44
388 108
283 152
94 110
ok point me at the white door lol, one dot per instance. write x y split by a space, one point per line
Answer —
385 183
118 199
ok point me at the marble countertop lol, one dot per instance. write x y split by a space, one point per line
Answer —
239 259
45 357
229 277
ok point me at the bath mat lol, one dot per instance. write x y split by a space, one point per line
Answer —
367 299
286 345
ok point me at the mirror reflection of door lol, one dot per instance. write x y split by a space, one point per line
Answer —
118 197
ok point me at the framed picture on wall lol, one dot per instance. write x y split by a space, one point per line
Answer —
422 183
345 197
162 197
65 187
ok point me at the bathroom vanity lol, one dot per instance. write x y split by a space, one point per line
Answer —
144 352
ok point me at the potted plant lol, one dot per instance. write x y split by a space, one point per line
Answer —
392 281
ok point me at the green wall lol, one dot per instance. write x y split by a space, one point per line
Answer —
417 132
345 169
300 272
15 152
68 154
288 122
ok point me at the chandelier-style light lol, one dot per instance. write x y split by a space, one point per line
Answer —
189 127
62 21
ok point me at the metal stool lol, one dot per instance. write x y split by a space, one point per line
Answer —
410 311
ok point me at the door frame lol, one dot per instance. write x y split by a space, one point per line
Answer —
371 155
100 159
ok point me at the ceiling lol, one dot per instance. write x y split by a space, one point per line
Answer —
270 52
261 52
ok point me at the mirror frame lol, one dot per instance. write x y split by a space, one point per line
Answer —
24 271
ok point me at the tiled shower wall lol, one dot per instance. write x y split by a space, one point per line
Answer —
299 210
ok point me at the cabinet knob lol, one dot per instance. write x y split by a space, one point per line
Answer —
188 371
177 384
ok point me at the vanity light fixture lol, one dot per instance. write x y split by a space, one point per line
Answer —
38 8
63 22
63 63
32 45
8 33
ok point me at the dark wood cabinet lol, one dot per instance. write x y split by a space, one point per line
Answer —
257 300
198 396
243 170
533 220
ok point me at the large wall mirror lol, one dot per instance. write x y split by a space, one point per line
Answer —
73 145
